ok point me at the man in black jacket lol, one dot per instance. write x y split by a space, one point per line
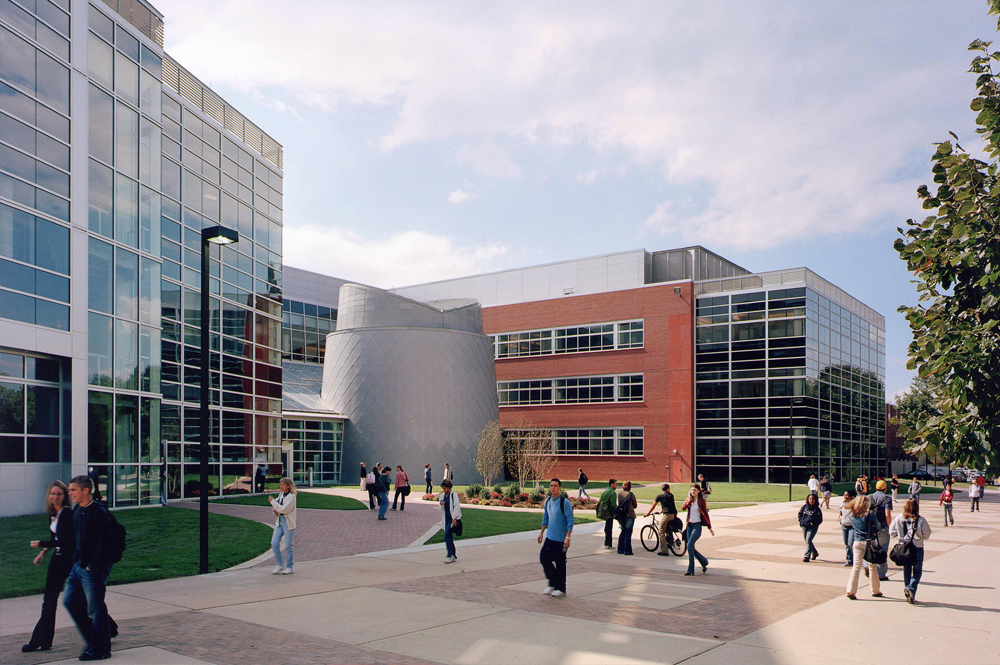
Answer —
88 580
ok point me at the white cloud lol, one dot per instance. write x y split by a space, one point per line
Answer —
458 196
411 257
794 119
588 177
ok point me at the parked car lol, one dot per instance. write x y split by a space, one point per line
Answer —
916 475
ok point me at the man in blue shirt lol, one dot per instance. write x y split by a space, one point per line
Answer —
882 507
557 517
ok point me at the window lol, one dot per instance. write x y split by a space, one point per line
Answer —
578 339
574 390
598 441
30 410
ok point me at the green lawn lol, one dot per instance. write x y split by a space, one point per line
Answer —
302 500
162 543
479 523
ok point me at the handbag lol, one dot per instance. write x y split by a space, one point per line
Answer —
457 529
405 490
904 553
874 552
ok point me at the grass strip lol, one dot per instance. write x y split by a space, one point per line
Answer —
480 523
302 500
162 543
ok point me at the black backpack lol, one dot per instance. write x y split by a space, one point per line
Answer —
621 511
115 547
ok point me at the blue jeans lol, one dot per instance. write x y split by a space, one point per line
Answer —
911 574
848 533
289 534
625 536
583 492
84 600
809 532
449 539
693 534
383 503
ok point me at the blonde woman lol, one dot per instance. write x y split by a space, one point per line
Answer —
865 526
283 507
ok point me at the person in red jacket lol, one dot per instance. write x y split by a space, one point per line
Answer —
947 496
697 515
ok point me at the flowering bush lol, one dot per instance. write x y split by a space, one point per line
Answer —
494 502
473 501
430 497
522 497
496 495
505 503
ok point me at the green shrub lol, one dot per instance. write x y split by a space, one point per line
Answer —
512 491
498 488
474 490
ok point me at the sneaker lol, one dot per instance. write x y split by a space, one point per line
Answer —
866 571
277 570
558 594
450 559
909 595
848 565
815 555
608 547
883 579
392 509
382 518
663 554
90 655
548 590
287 571
704 569
805 559
852 596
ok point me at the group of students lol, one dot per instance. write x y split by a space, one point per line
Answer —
867 522
377 483
81 542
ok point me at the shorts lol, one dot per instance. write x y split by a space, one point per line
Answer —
827 495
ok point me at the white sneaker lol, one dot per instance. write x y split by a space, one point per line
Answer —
450 559
287 571
277 570
558 594
548 590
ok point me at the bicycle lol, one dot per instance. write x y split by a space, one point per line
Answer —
650 537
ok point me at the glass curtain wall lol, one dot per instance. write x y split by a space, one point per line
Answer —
316 447
787 375
304 327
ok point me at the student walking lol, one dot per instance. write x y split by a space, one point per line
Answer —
881 505
946 498
826 491
706 487
382 484
451 518
668 510
628 504
87 582
371 485
448 475
974 492
865 526
427 479
697 515
582 481
606 505
846 527
894 486
364 474
914 490
62 544
810 517
912 526
402 488
283 507
813 485
557 518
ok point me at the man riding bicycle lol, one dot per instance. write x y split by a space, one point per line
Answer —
668 511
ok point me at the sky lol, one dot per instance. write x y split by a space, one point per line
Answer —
431 140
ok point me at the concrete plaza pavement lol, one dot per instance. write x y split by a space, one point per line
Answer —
758 603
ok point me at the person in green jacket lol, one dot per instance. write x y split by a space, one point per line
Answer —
609 499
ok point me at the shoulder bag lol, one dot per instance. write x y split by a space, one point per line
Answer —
874 552
621 512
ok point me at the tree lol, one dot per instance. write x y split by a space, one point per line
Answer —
490 453
918 402
528 451
955 256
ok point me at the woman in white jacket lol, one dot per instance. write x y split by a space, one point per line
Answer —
283 507
910 525
451 513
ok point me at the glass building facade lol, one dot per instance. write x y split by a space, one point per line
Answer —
304 327
787 376
109 170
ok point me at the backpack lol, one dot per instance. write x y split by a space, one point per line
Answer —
621 511
370 478
904 553
604 510
116 544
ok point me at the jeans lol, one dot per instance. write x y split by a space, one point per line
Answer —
859 557
609 527
882 536
848 533
449 539
383 503
975 504
583 492
372 497
289 534
693 534
948 514
911 574
430 487
84 600
625 536
809 532
396 497
553 560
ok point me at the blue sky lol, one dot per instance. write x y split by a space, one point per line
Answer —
433 140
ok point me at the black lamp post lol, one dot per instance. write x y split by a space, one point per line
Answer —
213 235
791 430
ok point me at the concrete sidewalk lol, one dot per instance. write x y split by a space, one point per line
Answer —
758 603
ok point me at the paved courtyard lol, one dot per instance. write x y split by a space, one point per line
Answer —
759 603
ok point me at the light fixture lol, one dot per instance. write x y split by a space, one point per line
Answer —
677 290
219 235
